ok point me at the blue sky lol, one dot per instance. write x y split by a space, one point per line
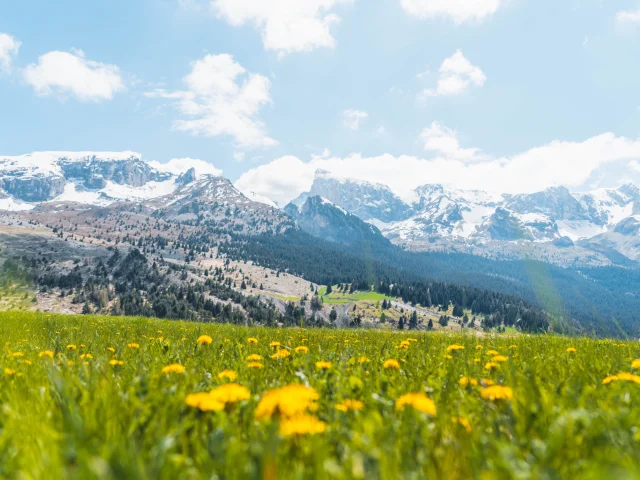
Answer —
275 83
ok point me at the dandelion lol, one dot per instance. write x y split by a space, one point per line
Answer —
419 402
254 365
363 360
302 349
71 347
493 352
624 376
454 348
115 362
254 357
479 347
204 401
448 357
302 425
571 350
174 368
46 353
465 381
204 340
230 393
499 359
497 392
322 365
287 402
512 347
228 374
463 422
491 365
252 340
274 344
280 354
133 345
392 363
636 364
17 354
111 349
9 371
349 405
87 356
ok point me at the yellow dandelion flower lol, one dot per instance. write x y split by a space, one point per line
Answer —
252 340
71 363
254 365
636 364
287 402
479 347
230 393
419 402
86 355
412 339
204 340
174 368
322 365
302 425
487 382
499 359
512 347
454 348
17 354
46 353
111 349
465 381
9 371
497 392
350 405
71 347
491 365
476 360
624 376
571 350
448 357
254 357
274 344
133 345
280 354
228 374
493 352
302 349
463 422
392 363
204 401
115 362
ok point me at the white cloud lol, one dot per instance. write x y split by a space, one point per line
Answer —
221 98
178 166
381 130
459 11
70 73
457 74
438 138
628 17
351 118
556 163
286 26
9 47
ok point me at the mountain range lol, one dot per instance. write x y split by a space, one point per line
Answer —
600 227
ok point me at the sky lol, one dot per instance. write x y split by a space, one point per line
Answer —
503 95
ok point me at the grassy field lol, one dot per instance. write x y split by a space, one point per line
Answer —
336 298
103 397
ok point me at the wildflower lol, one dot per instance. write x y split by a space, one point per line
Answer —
228 374
322 365
464 381
204 401
419 401
17 354
86 355
512 347
392 363
491 365
479 347
111 349
497 392
454 348
463 422
46 353
412 339
28 362
349 405
71 347
71 363
252 340
274 344
571 350
363 360
133 345
282 353
448 357
302 349
499 359
115 362
493 352
302 425
173 368
204 340
636 364
625 376
230 393
476 360
287 401
254 357
254 365
404 345
9 371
